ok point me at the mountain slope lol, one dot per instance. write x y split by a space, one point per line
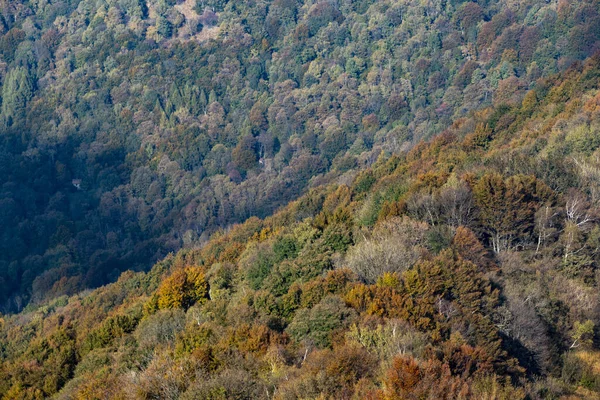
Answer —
465 267
132 128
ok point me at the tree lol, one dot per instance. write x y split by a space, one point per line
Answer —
451 205
244 154
545 225
469 14
183 288
507 207
470 248
164 27
456 203
407 378
583 334
577 220
16 93
395 246
316 325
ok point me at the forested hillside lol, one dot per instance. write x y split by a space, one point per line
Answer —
464 268
130 129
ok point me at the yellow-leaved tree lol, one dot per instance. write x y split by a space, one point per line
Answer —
183 288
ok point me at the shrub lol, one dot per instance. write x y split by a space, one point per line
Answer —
317 324
257 262
388 339
285 247
160 328
112 328
194 337
229 384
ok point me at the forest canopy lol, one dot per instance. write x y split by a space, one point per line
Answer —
464 268
131 129
288 199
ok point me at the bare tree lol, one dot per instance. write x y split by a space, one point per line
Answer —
577 220
576 210
394 247
456 203
545 225
425 207
589 175
451 205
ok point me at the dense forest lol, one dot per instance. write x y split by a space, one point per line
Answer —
466 267
131 129
316 199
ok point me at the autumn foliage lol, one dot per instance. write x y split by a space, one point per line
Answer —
466 267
